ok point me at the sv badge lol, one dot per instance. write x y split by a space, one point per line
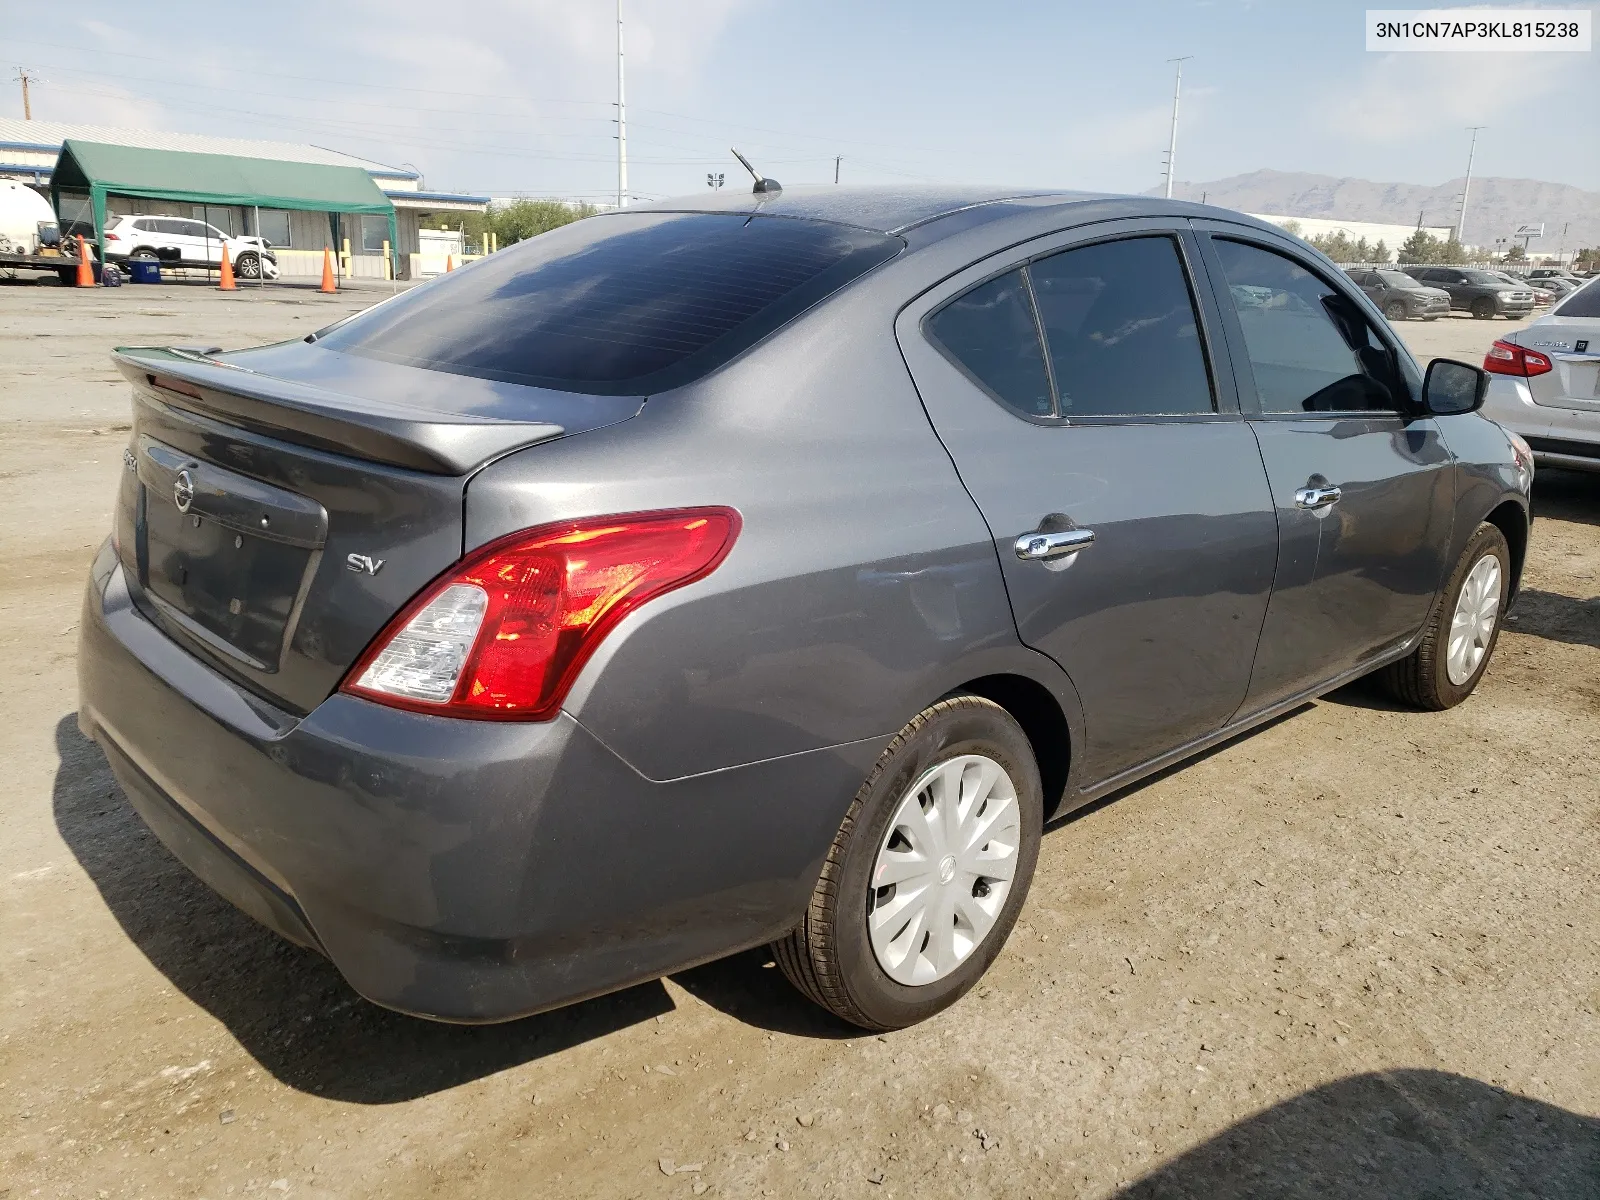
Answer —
363 565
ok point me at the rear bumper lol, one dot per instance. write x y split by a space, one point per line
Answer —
1558 437
459 870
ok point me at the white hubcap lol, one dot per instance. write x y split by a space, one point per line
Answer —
1472 626
944 869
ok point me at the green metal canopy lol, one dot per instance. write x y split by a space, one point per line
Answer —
101 169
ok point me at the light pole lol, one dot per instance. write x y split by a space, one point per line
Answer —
622 122
1461 224
1172 144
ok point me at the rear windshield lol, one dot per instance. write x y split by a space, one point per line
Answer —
618 304
1585 302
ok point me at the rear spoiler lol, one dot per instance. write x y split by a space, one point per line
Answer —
355 426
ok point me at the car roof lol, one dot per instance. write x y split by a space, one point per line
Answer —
899 209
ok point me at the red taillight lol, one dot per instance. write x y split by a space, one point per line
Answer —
503 634
1508 358
113 237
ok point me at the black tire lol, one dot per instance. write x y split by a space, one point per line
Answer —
1395 310
829 956
1422 678
1483 308
144 252
248 267
68 276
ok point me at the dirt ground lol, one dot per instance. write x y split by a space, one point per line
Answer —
1356 953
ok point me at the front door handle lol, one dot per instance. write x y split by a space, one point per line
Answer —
1317 497
1041 544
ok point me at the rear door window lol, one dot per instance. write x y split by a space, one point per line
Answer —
620 304
1121 327
1310 348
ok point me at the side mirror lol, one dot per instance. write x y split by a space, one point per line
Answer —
1451 388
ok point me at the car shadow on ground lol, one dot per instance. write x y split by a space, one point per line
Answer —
1556 618
287 1006
1399 1135
1566 496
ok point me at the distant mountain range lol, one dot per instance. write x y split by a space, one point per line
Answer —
1495 208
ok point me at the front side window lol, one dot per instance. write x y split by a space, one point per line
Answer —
991 334
1121 327
1310 349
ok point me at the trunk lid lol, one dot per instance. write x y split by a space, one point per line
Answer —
1573 346
280 505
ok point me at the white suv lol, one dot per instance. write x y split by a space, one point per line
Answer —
184 242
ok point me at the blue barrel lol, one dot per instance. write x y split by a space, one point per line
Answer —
144 270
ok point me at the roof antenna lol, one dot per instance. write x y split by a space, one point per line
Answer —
763 184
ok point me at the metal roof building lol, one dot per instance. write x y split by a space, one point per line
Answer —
29 151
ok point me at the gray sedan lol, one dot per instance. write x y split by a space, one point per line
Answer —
766 569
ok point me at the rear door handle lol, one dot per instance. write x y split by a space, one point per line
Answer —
1040 545
1317 497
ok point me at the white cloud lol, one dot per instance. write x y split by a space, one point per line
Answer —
1401 97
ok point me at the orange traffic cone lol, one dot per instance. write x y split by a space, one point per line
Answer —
328 284
449 262
227 284
85 271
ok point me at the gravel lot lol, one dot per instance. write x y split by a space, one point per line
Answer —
1353 954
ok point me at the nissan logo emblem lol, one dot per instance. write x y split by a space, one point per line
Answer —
183 491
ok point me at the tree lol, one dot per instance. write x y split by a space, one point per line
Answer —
520 219
1421 247
1452 251
1381 253
1292 228
1516 254
1363 252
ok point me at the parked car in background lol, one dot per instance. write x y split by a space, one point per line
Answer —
1477 292
1559 286
185 242
1554 273
1400 297
434 646
1541 294
1544 382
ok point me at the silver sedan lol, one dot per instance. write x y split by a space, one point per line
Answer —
1545 382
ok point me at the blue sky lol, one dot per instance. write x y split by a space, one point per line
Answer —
517 95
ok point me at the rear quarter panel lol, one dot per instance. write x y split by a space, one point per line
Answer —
863 585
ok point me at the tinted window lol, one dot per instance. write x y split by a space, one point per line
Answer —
1585 302
1310 349
990 333
1481 278
1397 279
617 304
1121 329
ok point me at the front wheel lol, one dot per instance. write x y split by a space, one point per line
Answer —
1461 633
1483 309
1395 310
927 873
248 267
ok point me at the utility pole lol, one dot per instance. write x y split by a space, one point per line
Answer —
1466 187
622 122
1172 145
837 159
24 77
1561 254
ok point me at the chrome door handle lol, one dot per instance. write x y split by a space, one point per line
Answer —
1040 545
1317 497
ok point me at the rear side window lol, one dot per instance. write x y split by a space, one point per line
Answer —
1121 327
621 304
991 334
1585 302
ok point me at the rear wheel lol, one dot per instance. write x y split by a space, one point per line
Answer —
1461 633
927 872
1483 308
146 254
1395 310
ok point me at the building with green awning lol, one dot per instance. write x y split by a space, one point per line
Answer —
95 171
